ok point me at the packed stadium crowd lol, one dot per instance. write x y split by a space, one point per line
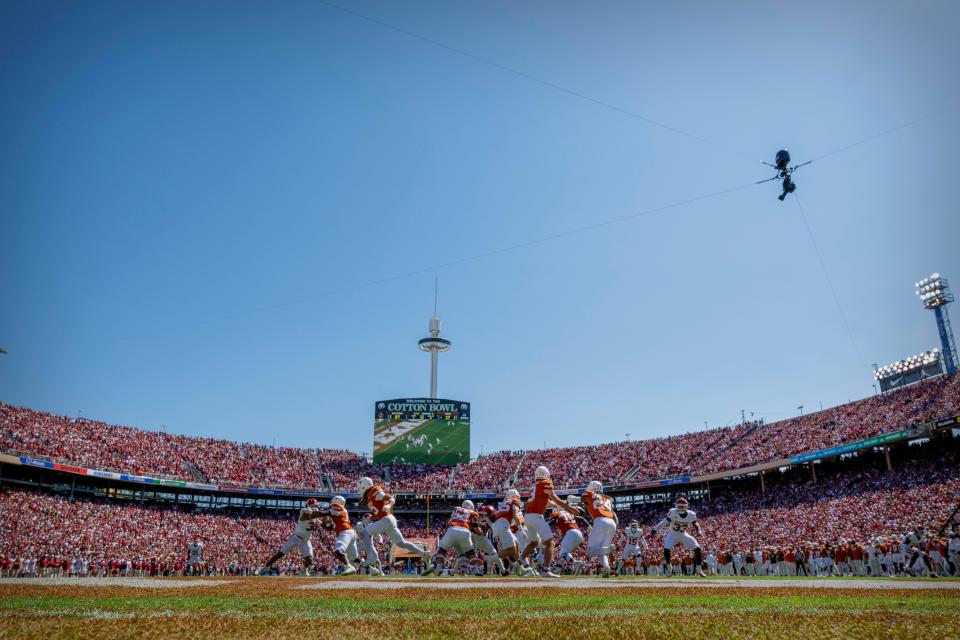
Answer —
855 512
100 445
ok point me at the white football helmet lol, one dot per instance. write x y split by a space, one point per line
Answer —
511 493
542 473
468 504
595 486
340 500
363 484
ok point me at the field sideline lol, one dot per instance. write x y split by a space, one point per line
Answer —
489 608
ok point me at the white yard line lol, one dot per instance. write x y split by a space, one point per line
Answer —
140 583
602 583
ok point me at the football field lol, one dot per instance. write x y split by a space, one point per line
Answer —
481 608
442 444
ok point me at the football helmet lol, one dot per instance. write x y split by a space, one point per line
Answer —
363 485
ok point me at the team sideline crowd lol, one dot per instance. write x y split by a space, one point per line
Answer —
546 536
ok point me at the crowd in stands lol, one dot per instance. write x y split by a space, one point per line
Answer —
851 504
345 467
96 444
871 416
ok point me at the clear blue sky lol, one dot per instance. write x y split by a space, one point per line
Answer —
182 184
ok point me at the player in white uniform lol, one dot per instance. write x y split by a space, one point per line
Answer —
953 552
678 520
300 539
912 546
634 545
194 555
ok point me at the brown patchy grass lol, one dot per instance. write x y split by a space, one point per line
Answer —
269 608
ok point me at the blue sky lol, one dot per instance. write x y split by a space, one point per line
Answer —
193 196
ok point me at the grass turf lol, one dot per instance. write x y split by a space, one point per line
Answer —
453 448
272 608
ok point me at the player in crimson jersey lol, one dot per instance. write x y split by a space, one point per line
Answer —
381 504
539 533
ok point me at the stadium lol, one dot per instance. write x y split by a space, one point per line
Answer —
226 218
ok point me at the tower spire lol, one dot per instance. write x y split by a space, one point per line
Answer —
434 344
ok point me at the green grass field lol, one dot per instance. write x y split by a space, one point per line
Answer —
282 608
453 447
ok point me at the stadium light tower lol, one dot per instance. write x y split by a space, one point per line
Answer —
934 292
434 344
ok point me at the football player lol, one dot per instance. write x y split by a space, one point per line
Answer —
600 509
571 536
505 518
539 533
345 541
634 544
457 537
912 545
678 520
194 557
479 531
306 522
381 504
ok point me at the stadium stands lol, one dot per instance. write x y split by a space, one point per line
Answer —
100 445
855 501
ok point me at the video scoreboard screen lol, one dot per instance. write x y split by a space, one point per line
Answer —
421 430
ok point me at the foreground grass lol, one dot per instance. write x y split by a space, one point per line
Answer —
259 609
